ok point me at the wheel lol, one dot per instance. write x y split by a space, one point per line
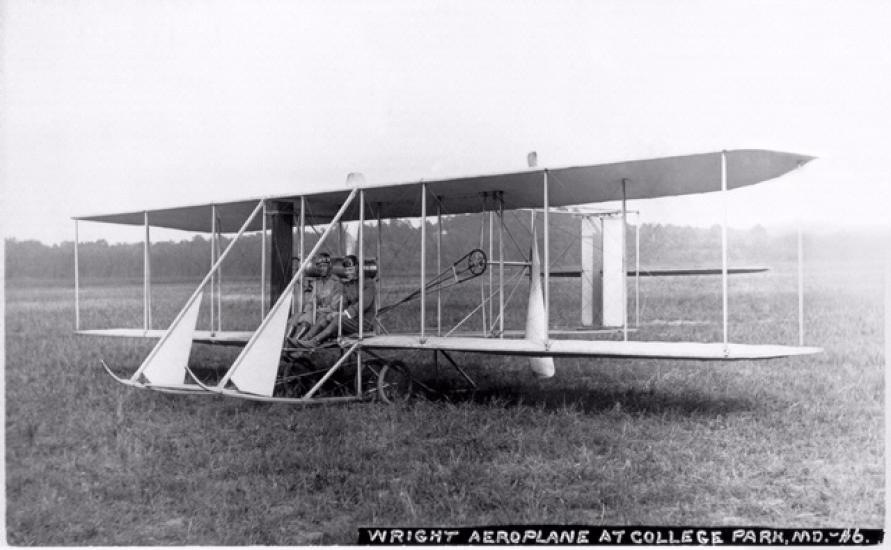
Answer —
394 384
477 261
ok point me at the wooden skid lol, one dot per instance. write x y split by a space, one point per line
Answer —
184 389
291 400
190 389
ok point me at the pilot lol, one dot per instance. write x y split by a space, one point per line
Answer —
348 316
327 297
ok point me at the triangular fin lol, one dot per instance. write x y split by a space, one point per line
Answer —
167 363
255 368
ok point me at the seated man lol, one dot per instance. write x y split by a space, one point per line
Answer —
327 298
348 316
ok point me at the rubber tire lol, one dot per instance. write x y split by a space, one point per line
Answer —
394 383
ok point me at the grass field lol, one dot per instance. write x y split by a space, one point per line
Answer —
792 442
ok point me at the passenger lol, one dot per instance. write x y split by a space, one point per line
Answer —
327 298
348 316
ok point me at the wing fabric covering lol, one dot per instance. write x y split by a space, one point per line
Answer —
645 179
536 324
167 364
255 368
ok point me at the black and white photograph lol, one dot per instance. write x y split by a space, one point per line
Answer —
306 273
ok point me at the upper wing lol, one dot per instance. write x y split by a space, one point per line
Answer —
643 179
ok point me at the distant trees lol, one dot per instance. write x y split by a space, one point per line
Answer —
661 246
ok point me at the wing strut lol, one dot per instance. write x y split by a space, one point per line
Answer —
624 260
547 260
800 281
724 242
169 357
147 277
261 355
423 259
76 280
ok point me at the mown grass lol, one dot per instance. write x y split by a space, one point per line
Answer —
792 442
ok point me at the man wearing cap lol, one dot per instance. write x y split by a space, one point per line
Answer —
327 297
348 316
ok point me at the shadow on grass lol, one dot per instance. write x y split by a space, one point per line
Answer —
649 402
554 395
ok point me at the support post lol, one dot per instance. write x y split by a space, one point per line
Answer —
76 278
219 241
637 272
423 258
491 255
213 262
146 278
624 260
501 265
377 299
438 266
482 306
302 250
547 260
724 242
361 246
263 277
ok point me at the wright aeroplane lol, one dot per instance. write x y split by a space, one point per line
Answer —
353 364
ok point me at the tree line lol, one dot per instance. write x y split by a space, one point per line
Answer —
660 245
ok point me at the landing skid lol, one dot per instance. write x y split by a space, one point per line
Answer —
180 389
304 378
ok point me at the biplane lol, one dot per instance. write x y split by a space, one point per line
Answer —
271 368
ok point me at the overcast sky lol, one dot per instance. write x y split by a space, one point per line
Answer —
118 106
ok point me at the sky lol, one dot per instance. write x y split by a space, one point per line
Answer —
112 106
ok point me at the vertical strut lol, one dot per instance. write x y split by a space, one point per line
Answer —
263 264
76 279
361 237
438 267
800 279
302 250
146 278
724 242
423 257
219 240
482 306
377 299
361 245
491 275
637 272
547 261
500 265
624 261
213 262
